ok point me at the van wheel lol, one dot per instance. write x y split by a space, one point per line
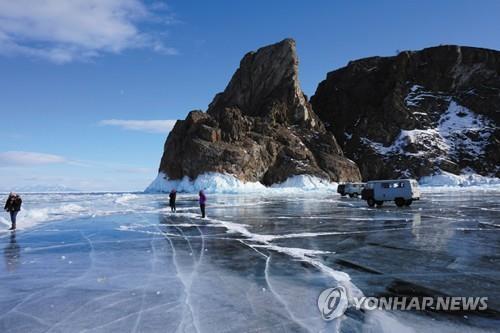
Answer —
351 195
379 203
355 195
400 202
370 202
408 202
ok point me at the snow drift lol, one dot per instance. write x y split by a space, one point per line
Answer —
224 183
468 179
228 184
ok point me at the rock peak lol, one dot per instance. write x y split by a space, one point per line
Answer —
266 85
261 128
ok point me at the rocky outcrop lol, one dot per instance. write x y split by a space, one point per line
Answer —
261 128
416 113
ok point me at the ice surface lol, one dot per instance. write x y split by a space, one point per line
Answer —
42 207
212 182
257 263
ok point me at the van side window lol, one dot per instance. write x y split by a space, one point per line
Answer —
385 185
401 184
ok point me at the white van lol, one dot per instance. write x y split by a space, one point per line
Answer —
351 189
401 191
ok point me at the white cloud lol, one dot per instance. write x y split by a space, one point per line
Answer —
151 126
65 30
27 158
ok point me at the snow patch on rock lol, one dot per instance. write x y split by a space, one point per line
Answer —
418 93
459 131
465 130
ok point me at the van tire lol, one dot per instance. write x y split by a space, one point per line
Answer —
400 202
379 203
355 195
351 195
408 202
370 202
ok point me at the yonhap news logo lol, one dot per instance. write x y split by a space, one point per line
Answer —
333 302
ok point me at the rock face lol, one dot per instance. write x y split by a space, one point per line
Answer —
416 113
261 128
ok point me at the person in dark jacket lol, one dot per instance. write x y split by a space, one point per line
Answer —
203 201
172 196
13 206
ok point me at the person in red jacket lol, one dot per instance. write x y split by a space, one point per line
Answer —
13 206
203 201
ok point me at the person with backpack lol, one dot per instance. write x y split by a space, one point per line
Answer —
13 206
172 196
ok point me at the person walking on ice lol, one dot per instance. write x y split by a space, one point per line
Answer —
172 196
13 206
203 201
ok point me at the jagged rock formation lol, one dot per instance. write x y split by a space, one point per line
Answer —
261 128
415 113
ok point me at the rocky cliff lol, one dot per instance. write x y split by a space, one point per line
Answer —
416 113
261 128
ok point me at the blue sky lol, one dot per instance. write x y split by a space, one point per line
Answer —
81 81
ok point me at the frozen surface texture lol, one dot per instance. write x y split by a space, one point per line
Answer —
256 264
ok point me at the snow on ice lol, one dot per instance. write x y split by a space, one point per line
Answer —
224 183
468 179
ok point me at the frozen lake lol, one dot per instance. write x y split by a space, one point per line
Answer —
124 263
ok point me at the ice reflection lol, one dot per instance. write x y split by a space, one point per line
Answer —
12 253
